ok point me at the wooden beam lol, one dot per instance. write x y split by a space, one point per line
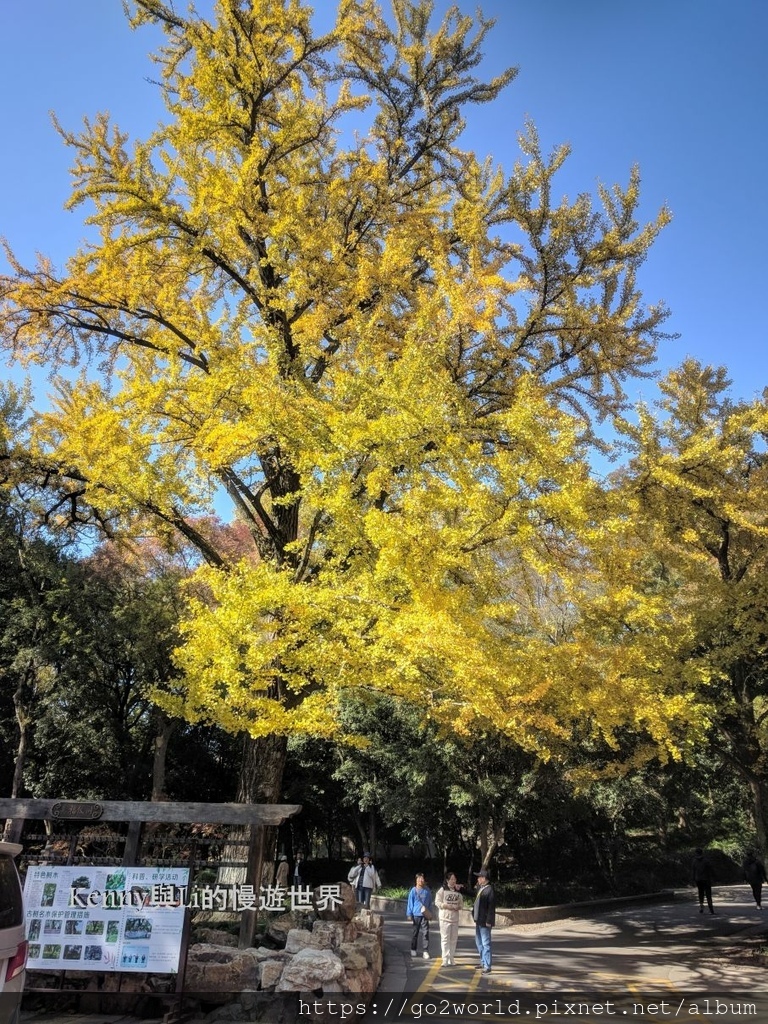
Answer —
133 810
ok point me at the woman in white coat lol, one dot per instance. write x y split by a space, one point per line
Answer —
449 902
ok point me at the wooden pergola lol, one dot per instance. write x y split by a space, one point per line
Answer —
137 813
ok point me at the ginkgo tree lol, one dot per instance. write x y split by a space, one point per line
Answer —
302 290
697 493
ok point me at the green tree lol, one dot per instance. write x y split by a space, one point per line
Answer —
83 642
115 629
30 568
454 796
328 816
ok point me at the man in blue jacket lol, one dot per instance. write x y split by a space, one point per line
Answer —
484 916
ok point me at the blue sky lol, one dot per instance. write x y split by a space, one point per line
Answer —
678 86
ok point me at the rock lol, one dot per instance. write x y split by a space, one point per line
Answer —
220 970
309 970
369 921
280 926
207 952
249 1001
362 981
162 983
263 953
332 986
297 939
270 972
368 944
232 1011
343 911
215 937
368 947
353 958
133 983
331 934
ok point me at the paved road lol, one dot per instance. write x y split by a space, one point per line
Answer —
659 951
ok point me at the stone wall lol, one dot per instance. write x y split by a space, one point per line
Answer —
329 952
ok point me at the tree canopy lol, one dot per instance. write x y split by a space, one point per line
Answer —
389 353
697 494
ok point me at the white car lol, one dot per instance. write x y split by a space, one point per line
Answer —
13 943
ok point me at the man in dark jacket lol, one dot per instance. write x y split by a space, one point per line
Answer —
754 874
702 876
484 916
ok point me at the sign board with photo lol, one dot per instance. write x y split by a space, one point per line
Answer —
91 918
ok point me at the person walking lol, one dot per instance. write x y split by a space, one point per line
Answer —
419 911
754 875
354 877
300 874
365 878
449 902
484 916
281 873
702 876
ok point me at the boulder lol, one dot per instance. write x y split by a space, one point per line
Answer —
331 934
215 937
232 1011
208 952
343 911
220 970
270 972
279 927
364 981
263 953
369 945
251 1001
369 921
353 958
297 939
311 969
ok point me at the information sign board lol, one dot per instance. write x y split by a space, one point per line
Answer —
105 918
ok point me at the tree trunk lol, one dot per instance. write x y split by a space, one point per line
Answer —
13 828
372 833
261 770
165 727
23 720
360 828
21 756
483 837
491 838
743 750
752 775
760 811
260 782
